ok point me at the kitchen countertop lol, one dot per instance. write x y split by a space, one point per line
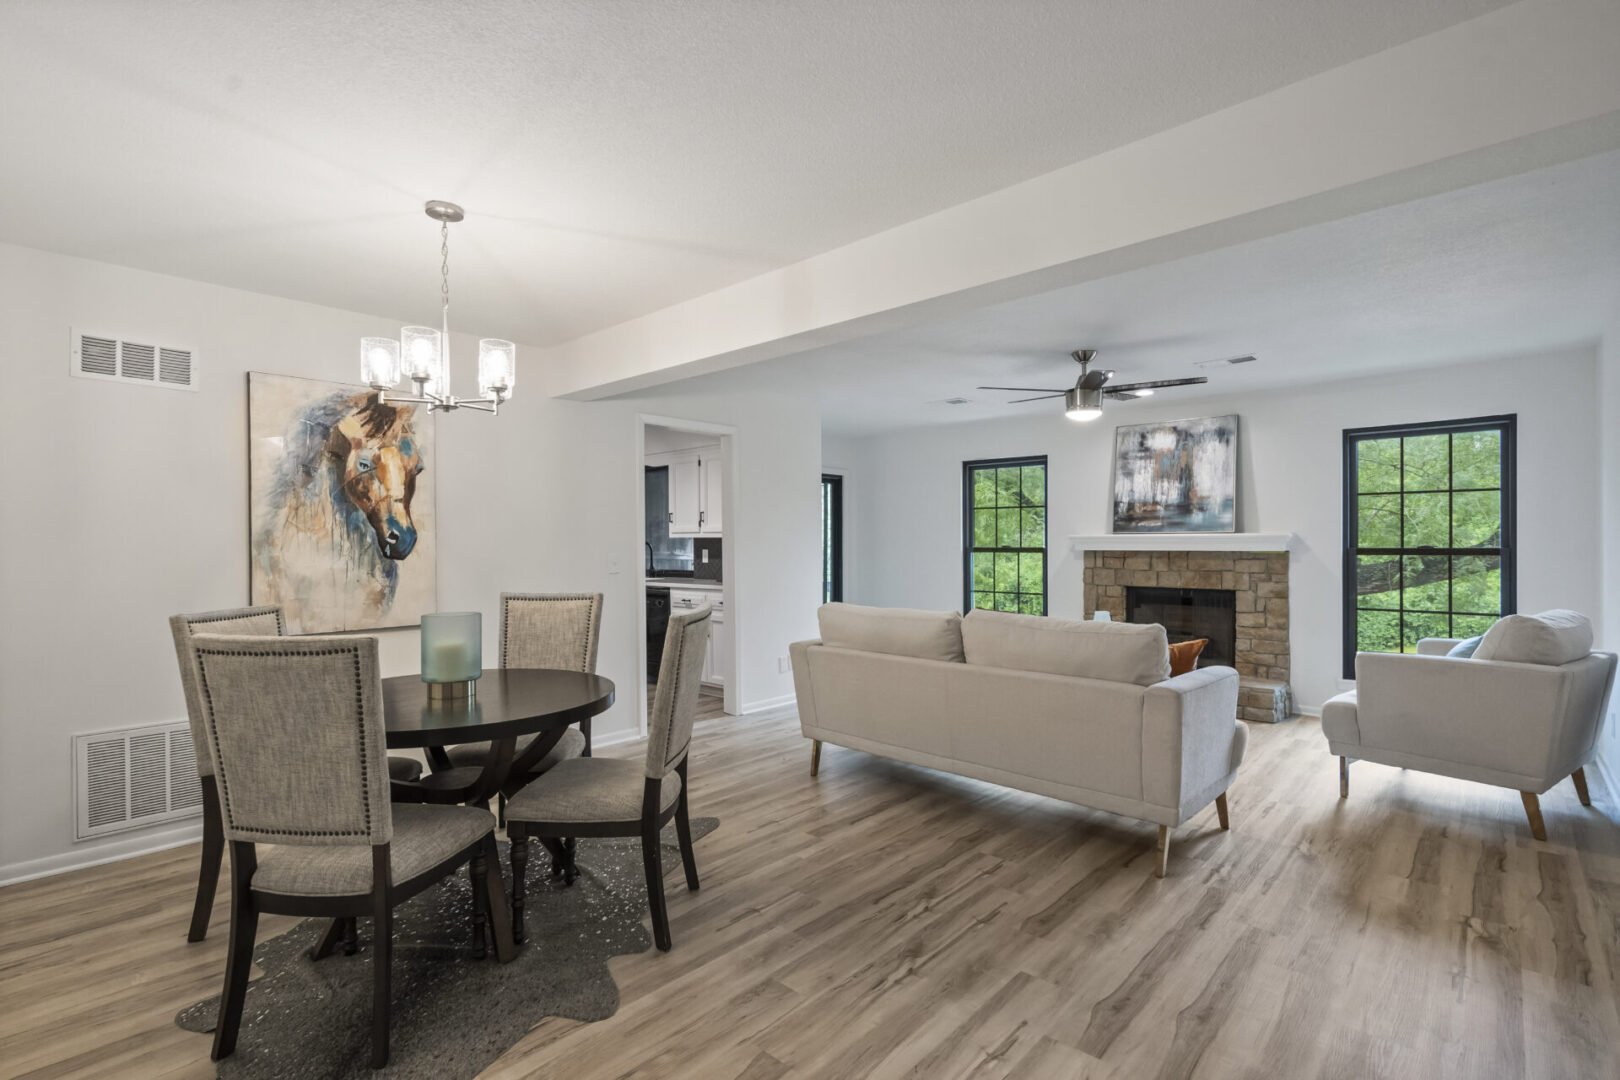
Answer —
686 583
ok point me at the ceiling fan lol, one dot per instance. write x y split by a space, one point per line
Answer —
1084 400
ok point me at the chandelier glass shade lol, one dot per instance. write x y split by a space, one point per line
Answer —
422 353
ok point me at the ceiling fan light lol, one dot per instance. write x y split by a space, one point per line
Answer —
1082 405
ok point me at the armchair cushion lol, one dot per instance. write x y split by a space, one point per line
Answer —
1466 647
1558 636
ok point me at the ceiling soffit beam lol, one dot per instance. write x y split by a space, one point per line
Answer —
1529 85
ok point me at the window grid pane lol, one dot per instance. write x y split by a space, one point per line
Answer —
1005 527
1429 550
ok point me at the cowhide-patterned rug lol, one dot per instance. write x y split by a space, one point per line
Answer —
453 1015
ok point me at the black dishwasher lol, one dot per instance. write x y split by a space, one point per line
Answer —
657 623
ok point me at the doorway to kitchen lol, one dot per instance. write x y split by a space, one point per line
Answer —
686 471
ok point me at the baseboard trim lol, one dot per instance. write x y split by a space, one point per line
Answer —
112 851
767 703
618 738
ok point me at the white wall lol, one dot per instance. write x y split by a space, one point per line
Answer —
908 538
123 504
660 440
1609 426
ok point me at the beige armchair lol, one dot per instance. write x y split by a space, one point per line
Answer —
1515 724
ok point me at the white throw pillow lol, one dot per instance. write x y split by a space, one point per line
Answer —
1552 637
1118 652
927 635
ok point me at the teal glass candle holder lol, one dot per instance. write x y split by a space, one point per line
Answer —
452 652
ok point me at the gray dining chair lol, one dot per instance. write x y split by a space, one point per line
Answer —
266 620
544 630
591 796
294 728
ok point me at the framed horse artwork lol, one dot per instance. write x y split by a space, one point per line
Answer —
340 493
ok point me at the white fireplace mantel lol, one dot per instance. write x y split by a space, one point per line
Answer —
1235 541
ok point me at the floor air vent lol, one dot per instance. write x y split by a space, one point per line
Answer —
103 356
131 777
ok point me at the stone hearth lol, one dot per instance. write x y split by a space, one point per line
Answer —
1259 583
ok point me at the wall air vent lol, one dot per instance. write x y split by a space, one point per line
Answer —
131 777
106 356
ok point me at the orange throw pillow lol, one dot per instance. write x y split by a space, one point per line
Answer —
1184 655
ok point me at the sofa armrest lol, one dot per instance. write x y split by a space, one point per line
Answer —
1436 646
1191 737
1492 714
803 690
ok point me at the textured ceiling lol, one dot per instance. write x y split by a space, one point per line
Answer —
1500 269
614 158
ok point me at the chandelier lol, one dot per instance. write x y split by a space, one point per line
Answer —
423 353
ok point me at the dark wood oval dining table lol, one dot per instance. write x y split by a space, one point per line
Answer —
506 705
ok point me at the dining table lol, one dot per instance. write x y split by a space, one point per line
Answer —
504 706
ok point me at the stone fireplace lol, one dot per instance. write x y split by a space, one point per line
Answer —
1177 588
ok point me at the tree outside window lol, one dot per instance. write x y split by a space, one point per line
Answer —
1004 526
1429 513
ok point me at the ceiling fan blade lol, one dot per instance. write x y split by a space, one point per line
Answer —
1156 385
1024 389
1043 397
1121 395
1094 380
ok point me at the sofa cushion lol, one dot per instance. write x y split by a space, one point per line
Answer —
1558 636
927 635
1117 652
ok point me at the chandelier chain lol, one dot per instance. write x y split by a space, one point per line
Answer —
444 265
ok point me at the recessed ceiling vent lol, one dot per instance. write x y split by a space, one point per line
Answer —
131 777
1229 361
106 356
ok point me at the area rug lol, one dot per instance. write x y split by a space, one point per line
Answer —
453 1015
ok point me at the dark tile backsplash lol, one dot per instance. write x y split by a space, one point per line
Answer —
711 570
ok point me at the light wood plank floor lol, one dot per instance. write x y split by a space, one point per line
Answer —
885 921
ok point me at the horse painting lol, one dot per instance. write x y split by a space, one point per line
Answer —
341 506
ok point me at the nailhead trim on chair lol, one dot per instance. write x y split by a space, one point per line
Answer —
359 718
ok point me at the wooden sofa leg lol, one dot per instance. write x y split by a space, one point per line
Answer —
815 756
1579 776
1164 851
1344 778
1222 812
1532 810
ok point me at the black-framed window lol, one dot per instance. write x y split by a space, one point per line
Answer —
1004 535
1429 513
832 538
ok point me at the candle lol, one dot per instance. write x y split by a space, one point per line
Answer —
452 646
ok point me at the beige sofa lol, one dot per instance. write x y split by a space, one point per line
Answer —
1080 711
1523 712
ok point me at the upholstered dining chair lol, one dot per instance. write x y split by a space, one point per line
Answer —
265 620
294 728
592 796
544 630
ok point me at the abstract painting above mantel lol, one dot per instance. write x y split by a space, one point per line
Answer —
340 496
1176 476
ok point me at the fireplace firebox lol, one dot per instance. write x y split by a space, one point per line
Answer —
1186 614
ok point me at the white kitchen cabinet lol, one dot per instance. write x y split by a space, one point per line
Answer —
711 518
718 659
685 497
696 487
